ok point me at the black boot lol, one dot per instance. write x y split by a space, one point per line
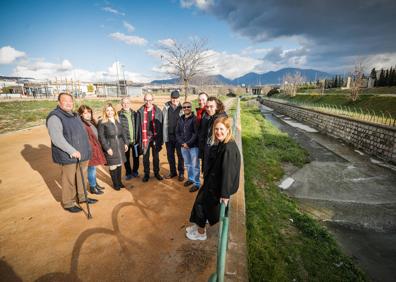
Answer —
94 190
120 184
98 186
113 174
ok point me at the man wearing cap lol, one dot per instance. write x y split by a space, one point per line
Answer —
172 112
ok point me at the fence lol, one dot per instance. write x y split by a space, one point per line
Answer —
356 113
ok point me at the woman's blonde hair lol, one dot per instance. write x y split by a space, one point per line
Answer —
105 118
227 122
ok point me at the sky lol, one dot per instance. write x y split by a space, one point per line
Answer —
96 40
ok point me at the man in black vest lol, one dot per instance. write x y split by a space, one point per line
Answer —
69 143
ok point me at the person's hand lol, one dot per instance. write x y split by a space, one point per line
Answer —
76 155
224 200
126 147
110 152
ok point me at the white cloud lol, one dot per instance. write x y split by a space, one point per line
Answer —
9 54
200 4
155 53
113 11
167 42
378 61
40 69
229 65
128 39
128 26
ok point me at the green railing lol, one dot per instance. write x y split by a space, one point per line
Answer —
222 245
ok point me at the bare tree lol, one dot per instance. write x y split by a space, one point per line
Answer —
357 81
291 82
185 61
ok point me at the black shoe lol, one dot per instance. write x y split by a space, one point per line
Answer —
73 209
135 174
98 187
90 201
170 175
159 177
94 190
180 178
194 188
188 183
145 178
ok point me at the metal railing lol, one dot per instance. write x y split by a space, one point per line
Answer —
224 220
218 276
357 113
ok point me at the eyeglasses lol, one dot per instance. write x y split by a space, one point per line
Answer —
148 100
187 107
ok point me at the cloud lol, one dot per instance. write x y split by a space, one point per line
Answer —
229 65
167 42
331 32
41 69
128 26
9 54
201 4
128 39
113 11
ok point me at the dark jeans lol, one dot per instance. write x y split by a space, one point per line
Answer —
146 160
171 147
135 157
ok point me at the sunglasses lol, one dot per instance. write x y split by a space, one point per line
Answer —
186 107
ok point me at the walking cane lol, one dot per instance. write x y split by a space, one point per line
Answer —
89 216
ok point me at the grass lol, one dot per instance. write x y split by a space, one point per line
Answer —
370 102
23 114
284 244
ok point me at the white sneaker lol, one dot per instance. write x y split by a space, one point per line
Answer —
196 236
192 228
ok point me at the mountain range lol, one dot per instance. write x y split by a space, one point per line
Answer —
252 78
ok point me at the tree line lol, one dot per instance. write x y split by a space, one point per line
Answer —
386 77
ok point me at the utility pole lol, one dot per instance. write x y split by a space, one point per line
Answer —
118 80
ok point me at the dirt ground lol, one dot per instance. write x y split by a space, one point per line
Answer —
136 234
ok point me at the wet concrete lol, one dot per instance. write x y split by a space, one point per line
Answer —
353 194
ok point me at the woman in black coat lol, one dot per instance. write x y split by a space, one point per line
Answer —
221 179
113 143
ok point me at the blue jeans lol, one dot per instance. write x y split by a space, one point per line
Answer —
191 161
92 176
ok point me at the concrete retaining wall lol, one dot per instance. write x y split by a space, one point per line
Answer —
373 139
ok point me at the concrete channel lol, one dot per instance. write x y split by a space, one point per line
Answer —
353 194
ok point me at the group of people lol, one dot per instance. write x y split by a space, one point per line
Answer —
79 143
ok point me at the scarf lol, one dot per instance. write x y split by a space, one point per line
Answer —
145 140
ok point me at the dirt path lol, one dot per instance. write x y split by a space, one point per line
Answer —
136 234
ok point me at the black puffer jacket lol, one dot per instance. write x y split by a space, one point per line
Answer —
112 137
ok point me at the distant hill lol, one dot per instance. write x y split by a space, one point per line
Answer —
252 78
275 77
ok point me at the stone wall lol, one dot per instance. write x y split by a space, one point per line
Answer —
373 139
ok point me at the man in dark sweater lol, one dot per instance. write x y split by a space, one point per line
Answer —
69 143
127 118
172 112
187 136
